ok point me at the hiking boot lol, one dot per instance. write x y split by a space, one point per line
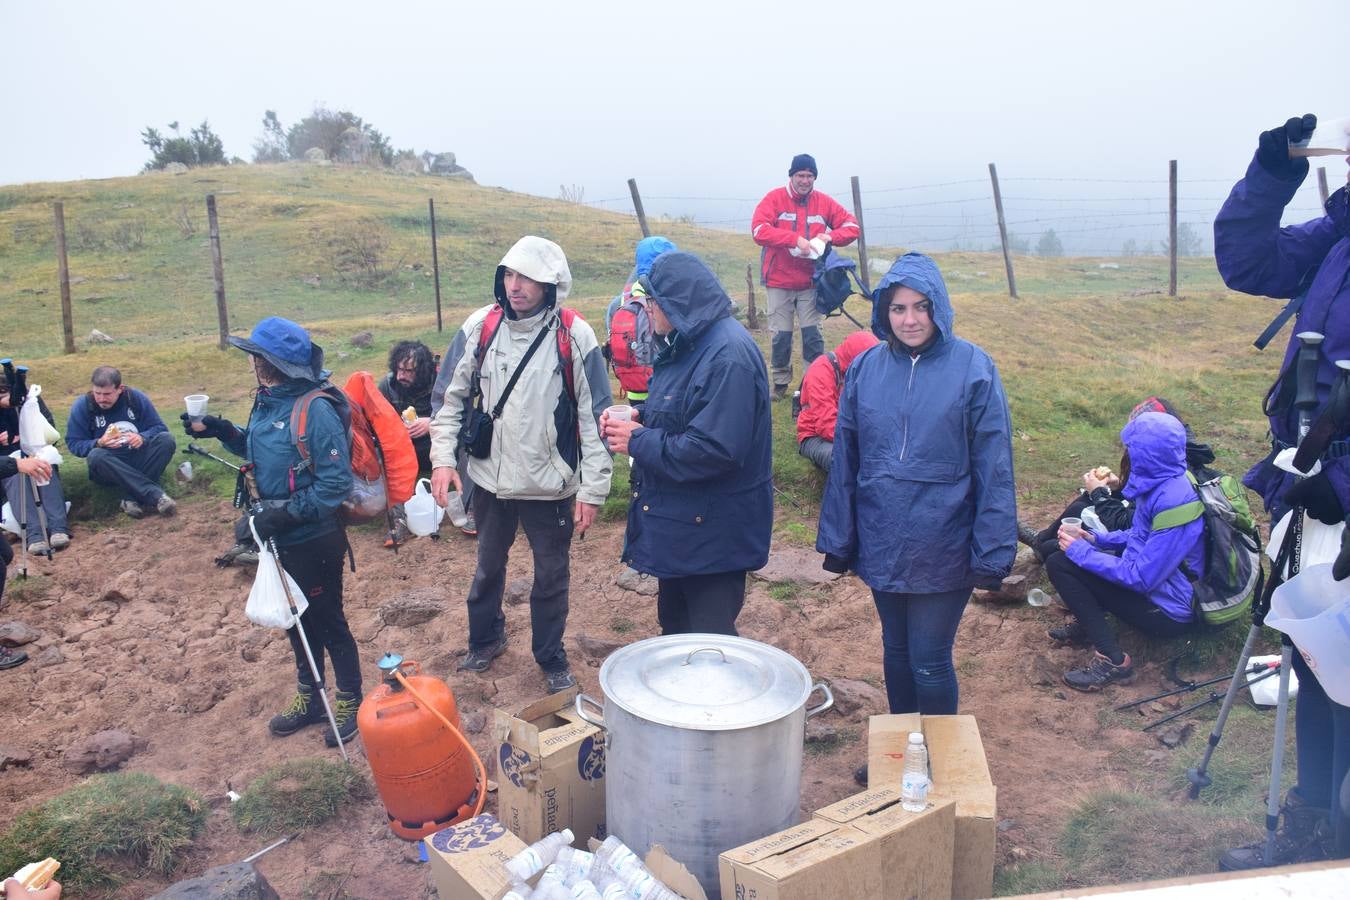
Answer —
780 391
1071 633
1299 838
1026 534
479 660
11 658
132 508
470 527
165 505
345 705
39 548
860 776
560 681
1099 673
239 555
305 709
60 540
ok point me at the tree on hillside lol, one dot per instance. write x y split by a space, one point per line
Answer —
1016 244
271 147
202 147
342 136
1049 244
1188 242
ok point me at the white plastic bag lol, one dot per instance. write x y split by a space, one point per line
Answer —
423 513
267 604
34 431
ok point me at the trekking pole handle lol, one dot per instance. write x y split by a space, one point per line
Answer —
1305 397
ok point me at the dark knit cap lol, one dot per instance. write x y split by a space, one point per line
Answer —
803 161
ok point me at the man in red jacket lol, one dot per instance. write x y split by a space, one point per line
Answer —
820 397
794 225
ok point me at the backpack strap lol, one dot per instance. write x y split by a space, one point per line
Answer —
299 424
838 372
565 319
1178 515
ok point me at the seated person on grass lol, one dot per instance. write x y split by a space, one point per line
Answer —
821 387
1102 488
53 498
1137 573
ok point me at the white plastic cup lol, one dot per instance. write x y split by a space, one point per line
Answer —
1037 597
1072 523
196 406
620 413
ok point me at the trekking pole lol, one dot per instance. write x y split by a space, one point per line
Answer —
1199 777
1195 685
42 517
1214 696
21 513
193 448
252 482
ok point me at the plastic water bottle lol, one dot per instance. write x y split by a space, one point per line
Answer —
518 891
584 890
614 891
914 783
454 508
550 886
616 854
575 864
527 862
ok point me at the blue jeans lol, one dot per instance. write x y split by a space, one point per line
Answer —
135 472
917 634
53 505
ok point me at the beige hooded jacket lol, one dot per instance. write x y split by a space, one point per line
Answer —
526 462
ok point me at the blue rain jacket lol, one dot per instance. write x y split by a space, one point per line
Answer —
702 483
920 495
1150 560
266 442
1256 256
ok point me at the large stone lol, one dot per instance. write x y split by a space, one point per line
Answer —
518 591
1175 736
52 656
635 581
236 881
11 757
405 612
16 634
597 647
123 588
1044 673
103 751
363 340
176 168
474 722
794 564
98 337
316 155
818 732
852 696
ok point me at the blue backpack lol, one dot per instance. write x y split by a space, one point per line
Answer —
836 279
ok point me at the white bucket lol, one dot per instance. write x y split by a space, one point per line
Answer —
424 516
1314 610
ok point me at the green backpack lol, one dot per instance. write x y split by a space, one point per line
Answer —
1233 573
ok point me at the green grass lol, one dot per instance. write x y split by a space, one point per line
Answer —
297 795
104 827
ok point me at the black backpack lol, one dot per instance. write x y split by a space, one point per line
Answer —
838 383
836 279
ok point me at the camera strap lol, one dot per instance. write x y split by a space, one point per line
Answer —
515 376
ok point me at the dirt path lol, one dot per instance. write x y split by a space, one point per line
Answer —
155 642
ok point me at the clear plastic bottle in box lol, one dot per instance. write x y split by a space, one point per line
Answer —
575 864
914 781
524 864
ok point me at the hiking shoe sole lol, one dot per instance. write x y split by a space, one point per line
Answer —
479 661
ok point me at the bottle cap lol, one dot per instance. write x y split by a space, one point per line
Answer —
916 737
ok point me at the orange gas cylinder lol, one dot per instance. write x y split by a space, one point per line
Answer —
422 770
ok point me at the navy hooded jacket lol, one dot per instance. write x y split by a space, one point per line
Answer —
920 495
702 488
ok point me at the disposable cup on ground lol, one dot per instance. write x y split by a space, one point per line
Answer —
1037 597
196 406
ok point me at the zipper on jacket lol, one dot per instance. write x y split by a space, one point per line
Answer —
909 389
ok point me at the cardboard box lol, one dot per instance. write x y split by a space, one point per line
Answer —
915 848
467 860
551 770
960 772
812 861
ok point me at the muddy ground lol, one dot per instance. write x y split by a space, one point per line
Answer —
154 640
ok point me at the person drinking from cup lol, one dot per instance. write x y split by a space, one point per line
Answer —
1135 573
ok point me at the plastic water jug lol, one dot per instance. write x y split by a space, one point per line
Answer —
1314 610
424 516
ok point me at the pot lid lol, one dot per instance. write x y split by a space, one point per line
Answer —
709 682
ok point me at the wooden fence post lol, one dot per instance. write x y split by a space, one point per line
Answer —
751 317
218 269
1172 227
862 236
637 207
435 261
1322 183
1003 232
63 270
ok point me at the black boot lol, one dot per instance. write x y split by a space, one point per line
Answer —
306 709
345 705
1300 837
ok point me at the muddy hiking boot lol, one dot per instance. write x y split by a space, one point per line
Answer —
479 660
11 658
345 705
560 681
306 709
1071 633
1026 534
1099 673
239 555
1304 835
132 508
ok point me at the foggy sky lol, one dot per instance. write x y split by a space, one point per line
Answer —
695 99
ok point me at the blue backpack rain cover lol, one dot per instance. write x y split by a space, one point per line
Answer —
836 279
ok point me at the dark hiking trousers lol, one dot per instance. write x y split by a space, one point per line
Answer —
135 472
1322 739
548 527
316 566
917 634
1090 597
818 450
53 505
706 604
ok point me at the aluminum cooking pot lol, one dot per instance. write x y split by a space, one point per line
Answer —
703 744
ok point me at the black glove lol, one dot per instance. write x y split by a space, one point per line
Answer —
1318 498
1341 567
836 564
1272 148
272 521
212 426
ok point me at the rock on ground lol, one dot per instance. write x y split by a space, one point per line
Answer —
597 647
100 752
16 634
794 564
236 881
408 611
635 581
852 696
518 591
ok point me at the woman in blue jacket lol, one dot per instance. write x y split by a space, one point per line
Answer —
301 502
1144 585
919 500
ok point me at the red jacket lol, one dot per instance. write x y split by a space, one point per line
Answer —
782 217
821 387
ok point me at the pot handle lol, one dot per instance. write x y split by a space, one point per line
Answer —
690 657
582 699
818 686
